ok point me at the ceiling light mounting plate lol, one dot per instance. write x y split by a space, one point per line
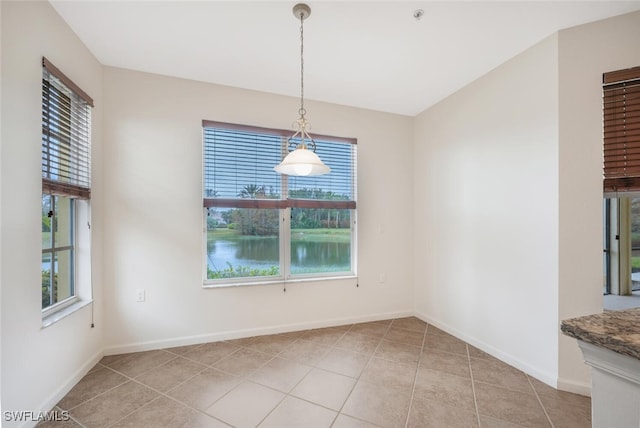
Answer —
301 10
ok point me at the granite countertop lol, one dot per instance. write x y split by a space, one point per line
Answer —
618 331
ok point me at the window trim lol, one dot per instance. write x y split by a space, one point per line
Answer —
68 82
53 249
272 131
284 206
285 271
76 180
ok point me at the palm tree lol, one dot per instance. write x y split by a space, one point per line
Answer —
252 191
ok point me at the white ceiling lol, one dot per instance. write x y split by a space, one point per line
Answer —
369 54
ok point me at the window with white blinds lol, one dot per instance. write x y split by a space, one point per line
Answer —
262 226
66 192
66 135
238 164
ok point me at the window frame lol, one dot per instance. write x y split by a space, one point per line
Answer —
66 172
53 249
284 207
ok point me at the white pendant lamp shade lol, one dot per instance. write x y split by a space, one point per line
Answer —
302 161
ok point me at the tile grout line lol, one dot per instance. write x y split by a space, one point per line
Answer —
360 375
473 386
103 392
144 405
288 394
71 417
188 406
540 401
415 376
128 379
166 395
314 366
246 379
162 395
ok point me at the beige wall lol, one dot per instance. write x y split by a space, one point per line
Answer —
508 247
39 364
153 216
149 201
486 204
585 53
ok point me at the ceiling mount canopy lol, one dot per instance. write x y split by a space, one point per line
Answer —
302 160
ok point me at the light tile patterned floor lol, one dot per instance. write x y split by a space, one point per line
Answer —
394 373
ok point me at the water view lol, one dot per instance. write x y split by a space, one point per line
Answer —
230 254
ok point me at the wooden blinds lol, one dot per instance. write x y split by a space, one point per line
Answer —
66 135
621 117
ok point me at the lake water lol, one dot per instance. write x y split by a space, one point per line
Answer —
262 253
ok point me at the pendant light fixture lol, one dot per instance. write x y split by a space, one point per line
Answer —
302 160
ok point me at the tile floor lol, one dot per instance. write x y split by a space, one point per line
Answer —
394 373
615 303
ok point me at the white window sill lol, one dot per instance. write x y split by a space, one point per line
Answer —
53 318
280 281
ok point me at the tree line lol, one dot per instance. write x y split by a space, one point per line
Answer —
265 222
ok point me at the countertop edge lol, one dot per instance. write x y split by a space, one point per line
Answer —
618 331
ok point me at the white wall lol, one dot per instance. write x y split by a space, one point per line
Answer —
153 216
507 248
477 211
486 212
39 364
585 52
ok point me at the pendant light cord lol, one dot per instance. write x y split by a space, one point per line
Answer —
302 111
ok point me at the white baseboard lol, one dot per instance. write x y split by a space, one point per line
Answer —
575 387
542 376
58 395
237 334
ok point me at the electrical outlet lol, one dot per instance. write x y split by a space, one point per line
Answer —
140 295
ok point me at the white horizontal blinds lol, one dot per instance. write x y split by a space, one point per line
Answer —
336 189
238 163
621 122
66 136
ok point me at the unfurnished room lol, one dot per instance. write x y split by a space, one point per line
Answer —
321 214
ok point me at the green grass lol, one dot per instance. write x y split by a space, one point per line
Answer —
223 233
321 235
306 235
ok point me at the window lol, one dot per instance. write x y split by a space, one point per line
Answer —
57 249
66 186
262 226
622 244
621 171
